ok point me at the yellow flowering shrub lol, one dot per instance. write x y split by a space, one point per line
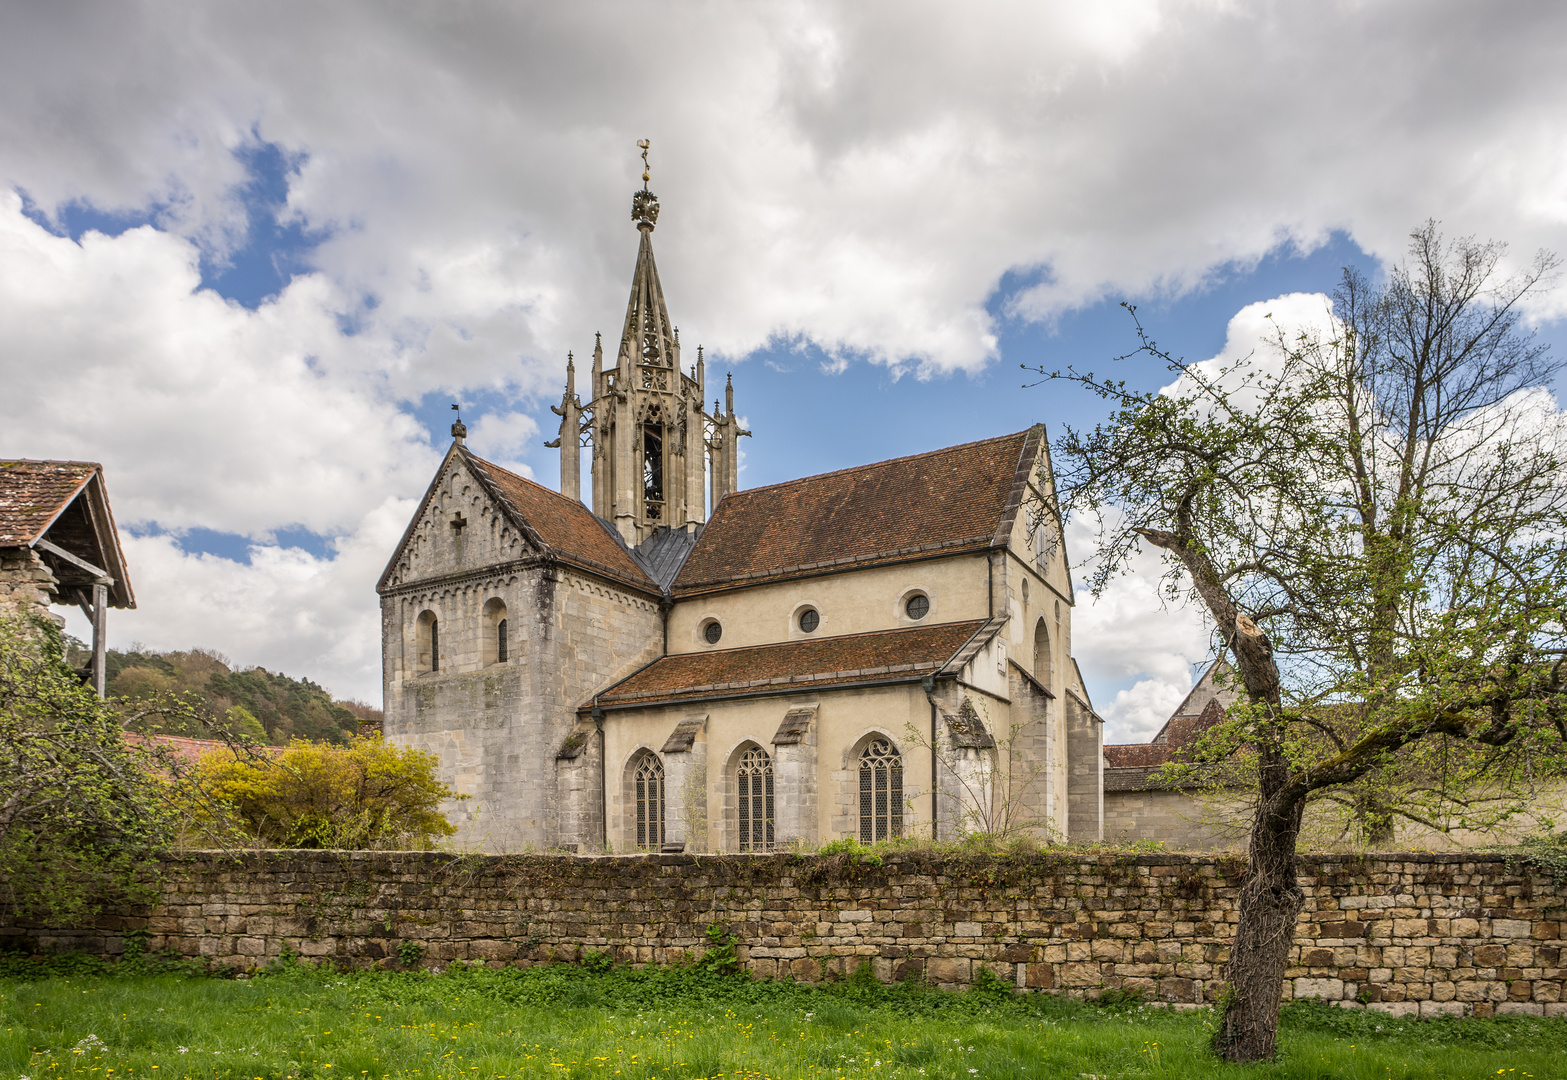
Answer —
367 794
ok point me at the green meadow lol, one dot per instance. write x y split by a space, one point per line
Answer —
569 1021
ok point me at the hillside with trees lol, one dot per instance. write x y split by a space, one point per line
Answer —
268 706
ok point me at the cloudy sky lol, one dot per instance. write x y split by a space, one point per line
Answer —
250 253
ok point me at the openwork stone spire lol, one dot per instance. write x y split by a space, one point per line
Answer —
647 337
653 443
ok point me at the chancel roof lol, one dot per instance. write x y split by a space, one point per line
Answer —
882 656
951 500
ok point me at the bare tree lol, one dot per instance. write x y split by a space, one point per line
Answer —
1373 519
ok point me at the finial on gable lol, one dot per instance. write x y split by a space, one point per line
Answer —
459 429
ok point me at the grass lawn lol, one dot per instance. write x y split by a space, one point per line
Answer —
565 1021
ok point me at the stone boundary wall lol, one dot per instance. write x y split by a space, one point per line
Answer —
1408 934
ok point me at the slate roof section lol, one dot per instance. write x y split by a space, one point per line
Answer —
34 493
961 498
882 656
563 527
664 553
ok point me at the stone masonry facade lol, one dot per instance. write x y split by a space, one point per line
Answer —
1414 934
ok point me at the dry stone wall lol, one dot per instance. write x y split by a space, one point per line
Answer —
1415 934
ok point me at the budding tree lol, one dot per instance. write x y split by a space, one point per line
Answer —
1373 519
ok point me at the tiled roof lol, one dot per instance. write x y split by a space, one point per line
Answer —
1137 755
1139 778
568 529
32 494
960 498
1130 766
883 655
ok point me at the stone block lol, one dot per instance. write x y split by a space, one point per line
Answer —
1429 1009
1081 975
1396 1008
1510 928
1520 1008
1039 976
948 970
1326 989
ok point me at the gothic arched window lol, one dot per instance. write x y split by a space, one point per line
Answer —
648 785
754 779
881 792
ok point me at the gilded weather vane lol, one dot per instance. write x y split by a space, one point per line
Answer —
644 204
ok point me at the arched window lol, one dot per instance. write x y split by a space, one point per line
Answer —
754 779
428 633
1042 657
496 647
881 792
648 785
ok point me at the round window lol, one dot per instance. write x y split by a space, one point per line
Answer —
712 632
918 606
809 620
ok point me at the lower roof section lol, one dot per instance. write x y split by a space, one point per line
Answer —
885 655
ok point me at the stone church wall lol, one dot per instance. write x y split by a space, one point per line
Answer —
1407 934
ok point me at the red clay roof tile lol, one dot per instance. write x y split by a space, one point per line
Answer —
567 527
953 499
885 654
32 494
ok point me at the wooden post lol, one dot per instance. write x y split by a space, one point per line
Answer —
100 635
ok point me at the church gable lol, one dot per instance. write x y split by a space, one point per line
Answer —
1035 534
459 527
476 514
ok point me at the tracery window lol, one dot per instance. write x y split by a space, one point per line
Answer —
648 784
754 779
881 792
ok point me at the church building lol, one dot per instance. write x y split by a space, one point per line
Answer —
879 651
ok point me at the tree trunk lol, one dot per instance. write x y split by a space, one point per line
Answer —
1270 903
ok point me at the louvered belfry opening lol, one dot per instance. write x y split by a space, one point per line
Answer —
881 792
648 782
754 779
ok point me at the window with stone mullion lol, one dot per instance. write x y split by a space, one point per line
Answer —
649 785
881 792
755 804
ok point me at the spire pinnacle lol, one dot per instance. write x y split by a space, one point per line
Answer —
644 204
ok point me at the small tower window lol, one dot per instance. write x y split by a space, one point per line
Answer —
427 632
712 631
648 783
497 646
810 620
881 792
754 779
918 606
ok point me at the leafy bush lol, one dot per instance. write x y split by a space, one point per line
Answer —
81 816
366 795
